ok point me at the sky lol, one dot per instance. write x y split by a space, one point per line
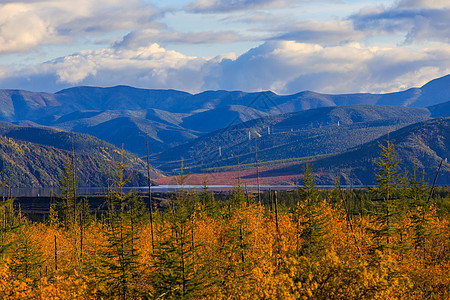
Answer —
286 46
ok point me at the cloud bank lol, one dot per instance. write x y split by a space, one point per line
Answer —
280 66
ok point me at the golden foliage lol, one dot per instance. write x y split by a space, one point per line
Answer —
248 252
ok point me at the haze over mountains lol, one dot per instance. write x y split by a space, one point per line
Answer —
220 128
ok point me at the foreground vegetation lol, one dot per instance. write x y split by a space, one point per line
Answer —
392 242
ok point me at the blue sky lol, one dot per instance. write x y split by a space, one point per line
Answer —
329 46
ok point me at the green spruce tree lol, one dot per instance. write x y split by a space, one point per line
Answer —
179 272
384 207
313 222
121 256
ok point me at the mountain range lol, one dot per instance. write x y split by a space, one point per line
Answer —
174 117
214 129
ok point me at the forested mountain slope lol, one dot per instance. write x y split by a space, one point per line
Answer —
294 135
31 165
424 144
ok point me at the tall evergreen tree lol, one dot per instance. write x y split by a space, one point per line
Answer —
120 255
68 199
312 221
178 273
419 208
384 207
26 259
309 191
387 176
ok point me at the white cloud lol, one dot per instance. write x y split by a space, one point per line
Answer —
151 66
20 28
281 66
27 24
289 67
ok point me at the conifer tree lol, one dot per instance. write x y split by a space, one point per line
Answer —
178 274
387 176
209 206
336 195
309 191
419 208
120 256
7 218
26 259
68 186
384 208
312 221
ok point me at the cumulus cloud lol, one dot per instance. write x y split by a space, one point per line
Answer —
151 66
281 66
20 28
418 20
289 67
27 24
208 6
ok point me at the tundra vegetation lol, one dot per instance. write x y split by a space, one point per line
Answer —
388 242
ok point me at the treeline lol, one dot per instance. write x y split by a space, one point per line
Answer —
392 242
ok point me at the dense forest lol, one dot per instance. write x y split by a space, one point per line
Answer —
388 242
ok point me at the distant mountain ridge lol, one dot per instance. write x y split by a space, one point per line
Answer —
123 114
19 105
214 128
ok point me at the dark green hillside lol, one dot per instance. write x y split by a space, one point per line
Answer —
424 144
32 165
294 135
82 143
221 117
